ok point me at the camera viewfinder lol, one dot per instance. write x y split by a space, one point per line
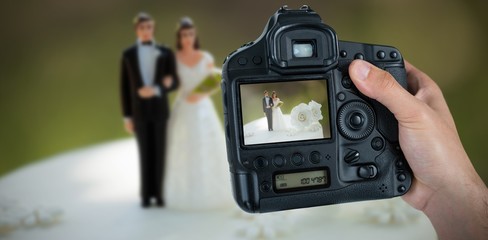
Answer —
304 49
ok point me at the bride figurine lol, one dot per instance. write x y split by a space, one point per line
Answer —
279 123
197 175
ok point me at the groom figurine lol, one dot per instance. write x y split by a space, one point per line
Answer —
148 74
267 109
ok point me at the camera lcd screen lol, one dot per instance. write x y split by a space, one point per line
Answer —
287 181
284 111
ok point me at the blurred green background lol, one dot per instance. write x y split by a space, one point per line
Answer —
59 64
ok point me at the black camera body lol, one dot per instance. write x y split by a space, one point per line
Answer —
340 147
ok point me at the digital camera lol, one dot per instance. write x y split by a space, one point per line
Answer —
299 134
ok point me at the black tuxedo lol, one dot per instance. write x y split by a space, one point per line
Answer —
148 115
268 112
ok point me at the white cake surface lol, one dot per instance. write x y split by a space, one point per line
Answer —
96 190
256 132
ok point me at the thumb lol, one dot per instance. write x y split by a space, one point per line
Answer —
381 86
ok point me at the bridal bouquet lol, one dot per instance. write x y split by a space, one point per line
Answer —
307 116
279 104
210 84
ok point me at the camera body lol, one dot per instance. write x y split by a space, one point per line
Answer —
340 147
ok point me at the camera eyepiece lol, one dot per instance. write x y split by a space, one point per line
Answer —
299 38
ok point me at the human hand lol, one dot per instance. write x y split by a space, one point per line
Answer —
444 175
129 126
168 81
146 92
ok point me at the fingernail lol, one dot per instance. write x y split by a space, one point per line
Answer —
362 69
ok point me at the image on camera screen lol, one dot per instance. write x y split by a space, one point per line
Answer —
284 111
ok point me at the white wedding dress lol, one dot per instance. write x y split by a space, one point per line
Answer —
197 174
279 123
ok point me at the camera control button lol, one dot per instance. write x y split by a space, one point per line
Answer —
399 164
279 161
381 54
401 189
356 120
377 143
351 156
393 54
343 53
341 96
242 61
359 56
315 157
257 60
368 171
346 82
401 177
265 186
297 159
260 163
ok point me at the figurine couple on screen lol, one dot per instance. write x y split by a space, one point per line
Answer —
182 151
272 111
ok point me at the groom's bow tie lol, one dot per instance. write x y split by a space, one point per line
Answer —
147 43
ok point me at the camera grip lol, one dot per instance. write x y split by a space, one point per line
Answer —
399 74
387 123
